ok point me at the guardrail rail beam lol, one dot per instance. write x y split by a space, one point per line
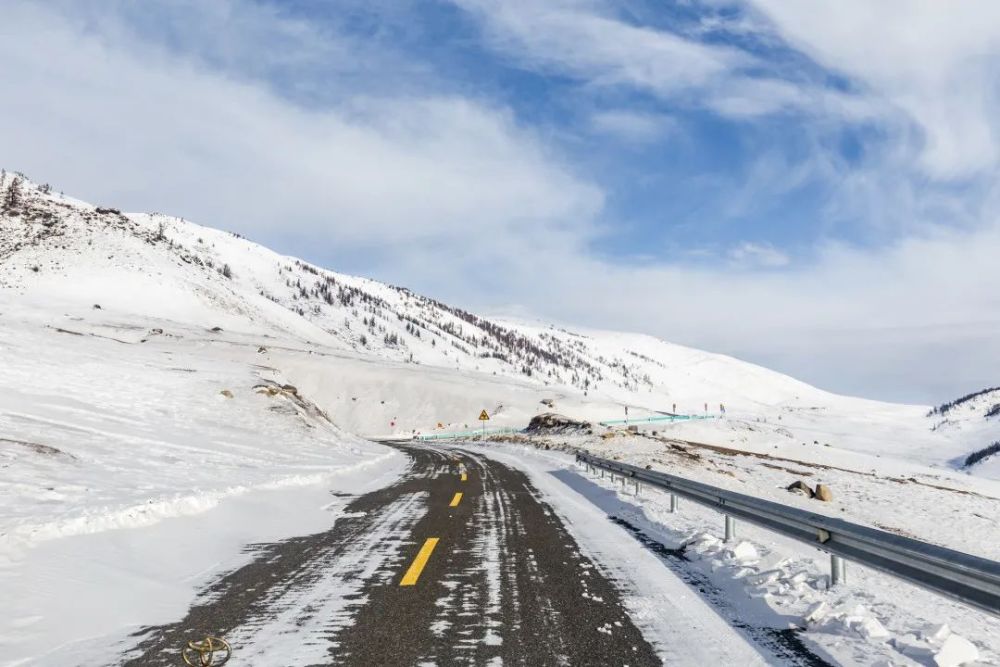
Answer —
953 574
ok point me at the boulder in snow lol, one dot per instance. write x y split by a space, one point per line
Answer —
550 422
800 487
823 493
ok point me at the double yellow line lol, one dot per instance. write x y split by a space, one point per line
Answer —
420 562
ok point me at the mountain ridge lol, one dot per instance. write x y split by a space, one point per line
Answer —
436 365
169 267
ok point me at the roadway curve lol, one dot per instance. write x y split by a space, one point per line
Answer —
505 583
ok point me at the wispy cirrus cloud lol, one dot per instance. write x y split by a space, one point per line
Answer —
749 254
590 41
633 126
936 62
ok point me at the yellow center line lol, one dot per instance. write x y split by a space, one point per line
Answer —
411 576
456 500
464 477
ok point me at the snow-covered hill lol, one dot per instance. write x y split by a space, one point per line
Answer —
970 409
446 363
165 267
973 418
163 380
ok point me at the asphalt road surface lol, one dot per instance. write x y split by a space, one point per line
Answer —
460 562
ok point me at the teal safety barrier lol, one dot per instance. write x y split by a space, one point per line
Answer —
471 433
657 418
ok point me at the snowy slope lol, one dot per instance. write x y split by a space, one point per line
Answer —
165 267
112 418
973 419
68 253
138 458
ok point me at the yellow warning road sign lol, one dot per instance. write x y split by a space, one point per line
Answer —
483 416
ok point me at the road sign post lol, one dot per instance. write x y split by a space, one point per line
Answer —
483 417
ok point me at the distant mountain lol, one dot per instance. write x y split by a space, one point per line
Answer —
984 404
62 249
975 418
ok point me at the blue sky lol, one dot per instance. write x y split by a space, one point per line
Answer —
667 166
807 187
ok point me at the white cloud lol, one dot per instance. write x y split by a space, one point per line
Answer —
632 127
586 40
576 37
937 61
749 254
917 321
107 119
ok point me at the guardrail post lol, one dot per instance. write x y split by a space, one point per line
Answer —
838 570
637 488
963 577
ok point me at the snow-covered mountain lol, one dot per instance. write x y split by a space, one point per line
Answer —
969 409
165 267
448 362
168 386
975 418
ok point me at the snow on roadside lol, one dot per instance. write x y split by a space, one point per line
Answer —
137 460
940 506
872 619
99 434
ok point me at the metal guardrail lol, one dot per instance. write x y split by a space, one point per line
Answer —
960 576
471 433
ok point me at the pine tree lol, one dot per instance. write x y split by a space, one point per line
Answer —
13 197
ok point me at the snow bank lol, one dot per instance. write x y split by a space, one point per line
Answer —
764 579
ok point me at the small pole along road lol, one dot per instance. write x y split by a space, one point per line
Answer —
458 562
